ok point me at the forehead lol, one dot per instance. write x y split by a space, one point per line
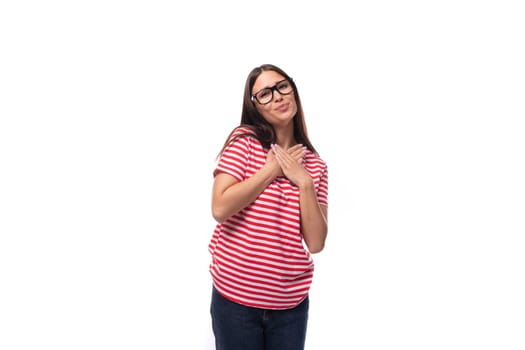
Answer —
266 79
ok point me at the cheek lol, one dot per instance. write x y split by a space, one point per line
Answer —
293 106
264 111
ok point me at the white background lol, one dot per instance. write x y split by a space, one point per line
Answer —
112 113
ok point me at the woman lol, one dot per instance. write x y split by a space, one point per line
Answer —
270 193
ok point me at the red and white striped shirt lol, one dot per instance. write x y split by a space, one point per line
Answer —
258 256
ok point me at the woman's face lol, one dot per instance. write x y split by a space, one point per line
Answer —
280 109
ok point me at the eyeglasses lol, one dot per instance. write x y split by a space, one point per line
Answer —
265 95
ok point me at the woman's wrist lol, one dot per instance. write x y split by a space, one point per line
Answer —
305 184
270 171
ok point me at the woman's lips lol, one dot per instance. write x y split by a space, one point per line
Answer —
282 108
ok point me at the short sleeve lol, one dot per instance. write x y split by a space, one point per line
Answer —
322 191
234 159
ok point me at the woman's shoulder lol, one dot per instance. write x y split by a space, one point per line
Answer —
241 131
244 134
314 159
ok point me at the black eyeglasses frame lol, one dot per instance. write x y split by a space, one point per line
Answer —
272 89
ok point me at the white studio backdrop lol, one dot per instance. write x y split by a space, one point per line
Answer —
112 113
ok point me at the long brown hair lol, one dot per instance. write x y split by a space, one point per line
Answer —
253 120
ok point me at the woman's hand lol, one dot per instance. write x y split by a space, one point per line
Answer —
273 164
297 152
291 163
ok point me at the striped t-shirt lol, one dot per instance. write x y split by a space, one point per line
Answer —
258 256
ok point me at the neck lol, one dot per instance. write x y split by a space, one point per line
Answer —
285 138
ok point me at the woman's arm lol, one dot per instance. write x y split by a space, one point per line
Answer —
229 196
314 223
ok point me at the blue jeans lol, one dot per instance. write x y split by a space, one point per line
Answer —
239 327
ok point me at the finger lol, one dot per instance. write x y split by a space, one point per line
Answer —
298 155
294 148
283 157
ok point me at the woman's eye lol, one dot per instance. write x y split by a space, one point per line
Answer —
264 93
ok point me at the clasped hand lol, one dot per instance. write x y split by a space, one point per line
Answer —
290 163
